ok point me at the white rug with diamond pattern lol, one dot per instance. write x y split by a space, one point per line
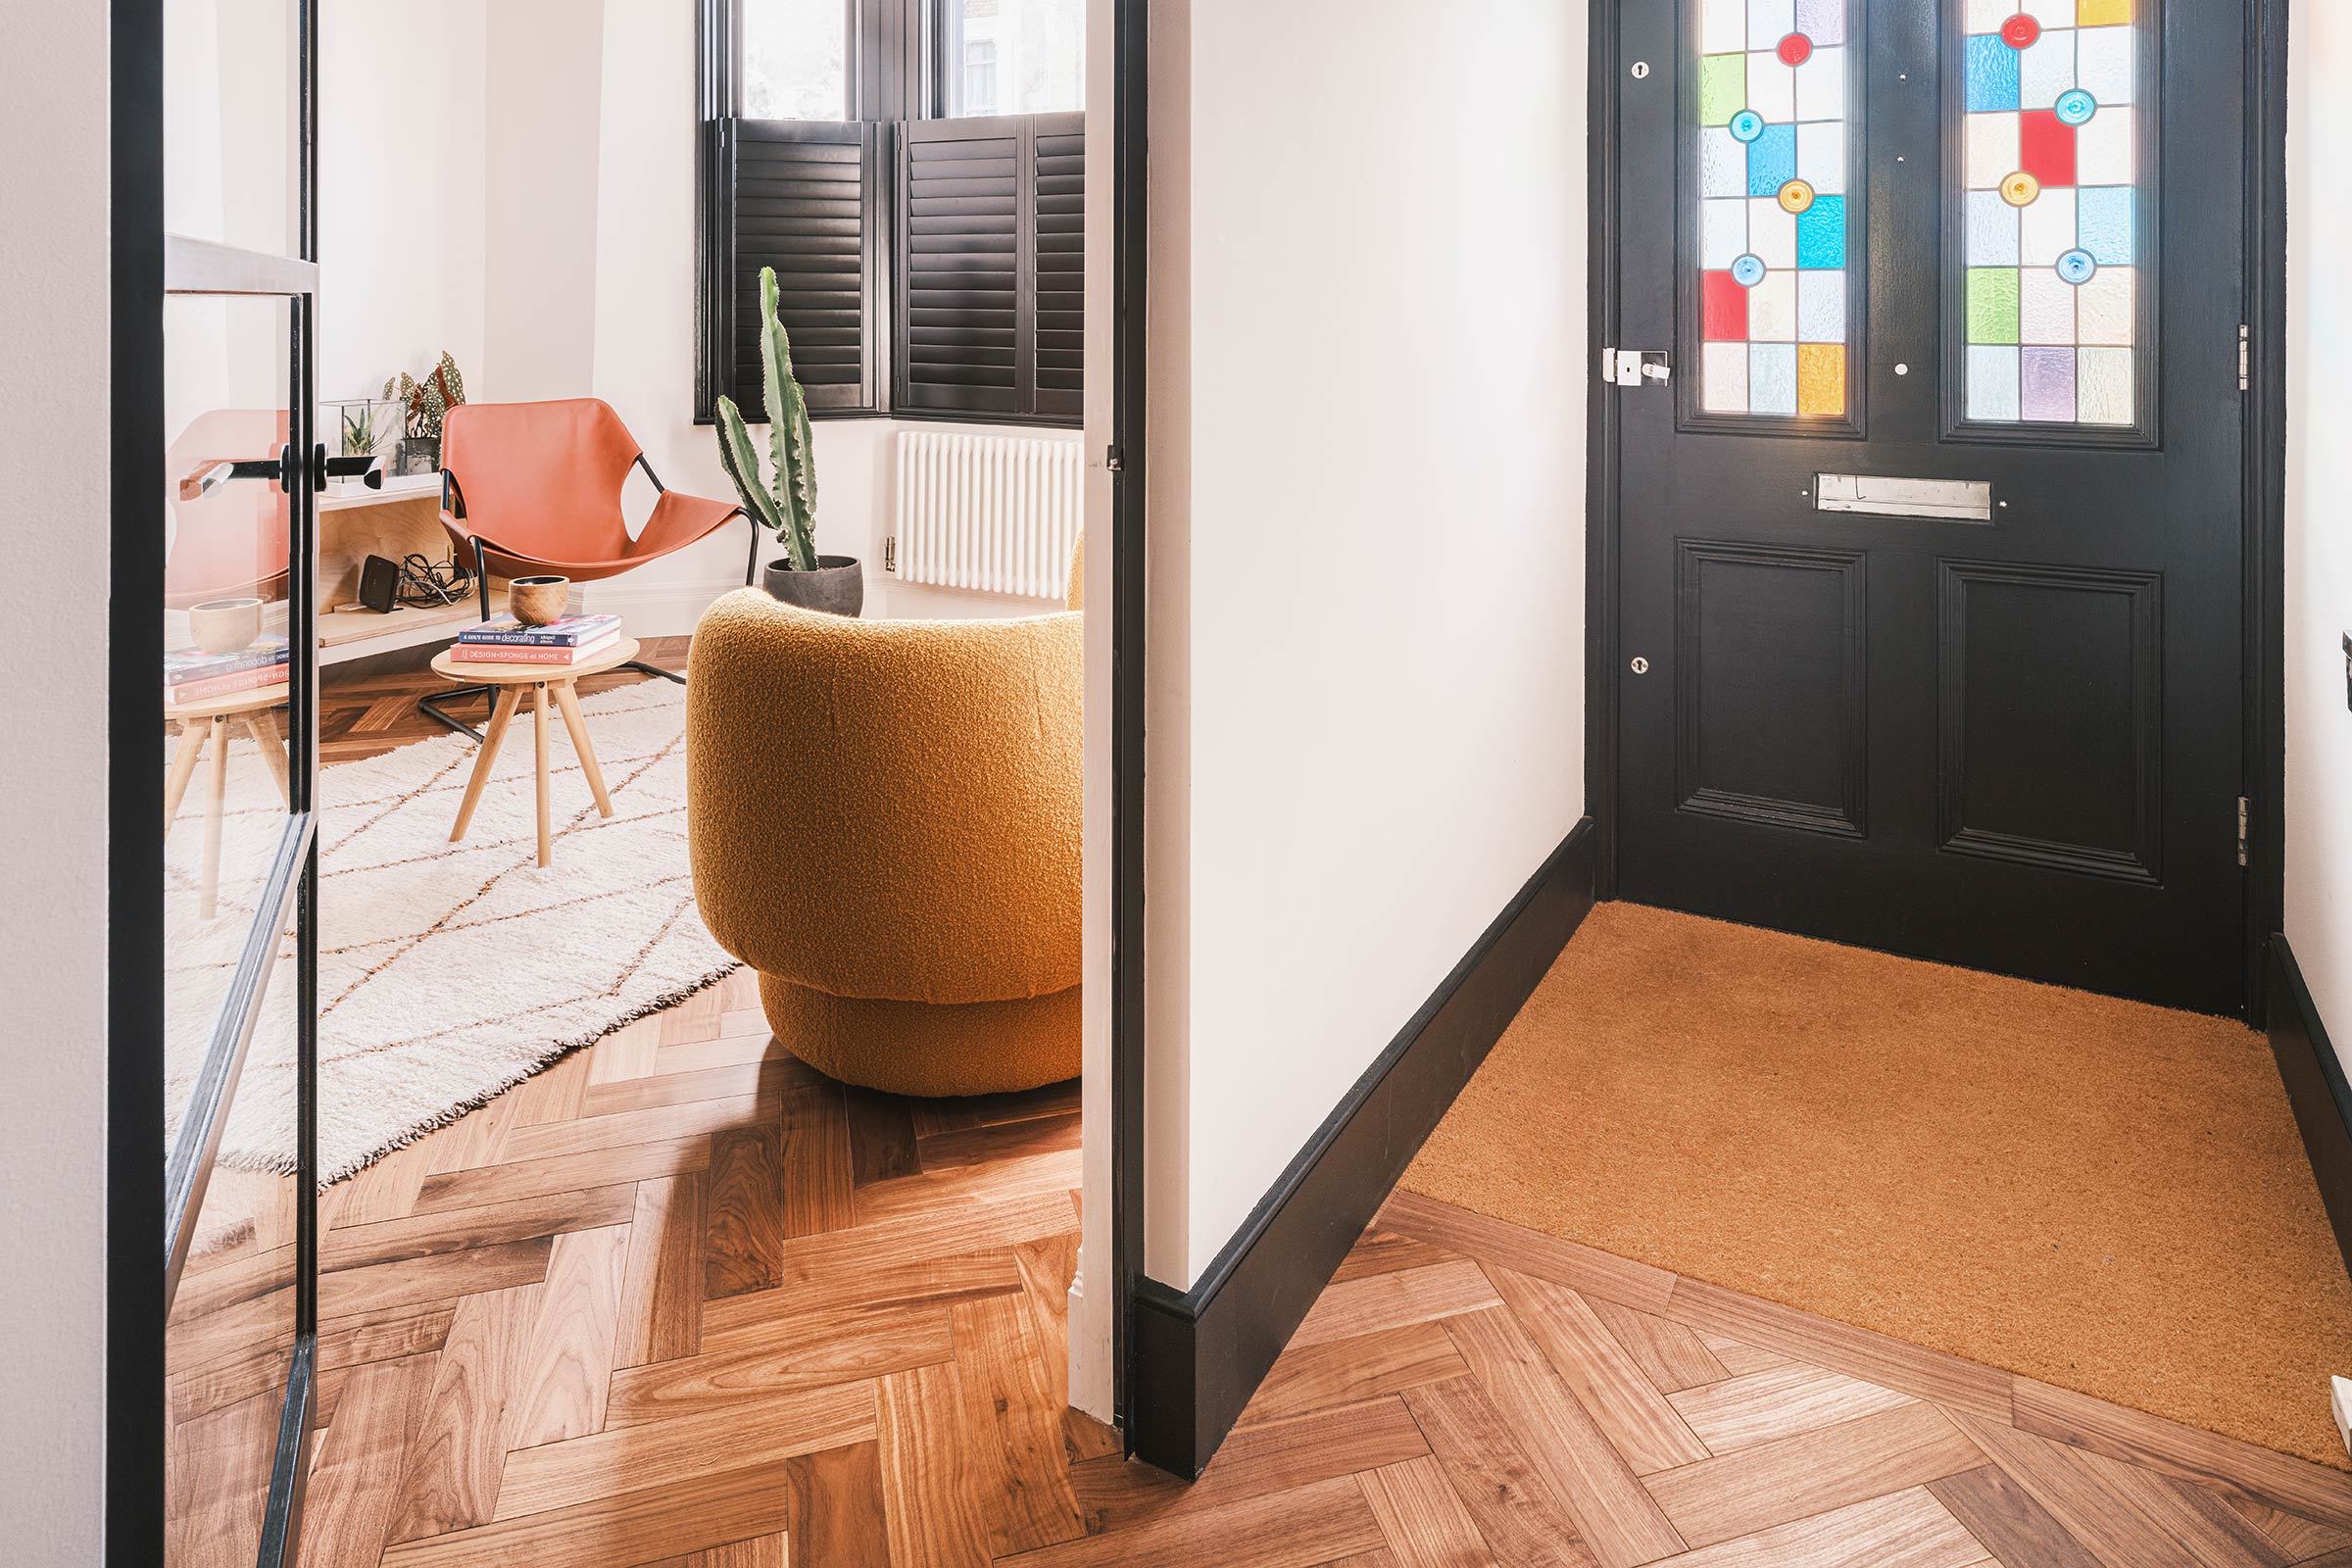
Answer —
447 972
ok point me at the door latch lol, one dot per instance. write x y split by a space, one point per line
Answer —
1634 366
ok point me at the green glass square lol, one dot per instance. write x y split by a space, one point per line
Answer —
1993 305
1721 89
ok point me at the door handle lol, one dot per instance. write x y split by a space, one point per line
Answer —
1635 366
369 468
211 473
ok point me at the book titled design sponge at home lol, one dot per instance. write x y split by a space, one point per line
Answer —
535 654
571 631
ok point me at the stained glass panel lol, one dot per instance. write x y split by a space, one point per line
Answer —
2050 211
1775 331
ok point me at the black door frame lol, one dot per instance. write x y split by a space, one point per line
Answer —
2264 480
134 1408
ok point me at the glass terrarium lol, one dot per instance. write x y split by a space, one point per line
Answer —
353 428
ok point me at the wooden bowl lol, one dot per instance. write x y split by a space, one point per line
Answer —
536 600
224 626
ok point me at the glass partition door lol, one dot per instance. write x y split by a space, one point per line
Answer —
237 763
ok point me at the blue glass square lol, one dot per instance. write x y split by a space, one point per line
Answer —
1821 234
1771 160
1992 74
2104 221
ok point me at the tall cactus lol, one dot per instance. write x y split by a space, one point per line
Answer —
786 502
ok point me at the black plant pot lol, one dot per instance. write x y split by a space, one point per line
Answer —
837 586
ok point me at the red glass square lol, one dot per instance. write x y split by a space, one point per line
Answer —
1723 308
2046 147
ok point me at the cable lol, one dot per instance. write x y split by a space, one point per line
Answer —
426 584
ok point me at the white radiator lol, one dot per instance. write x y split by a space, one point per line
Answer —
998 514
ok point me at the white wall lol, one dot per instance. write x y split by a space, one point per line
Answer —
402 113
1379 682
2319 542
541 189
54 264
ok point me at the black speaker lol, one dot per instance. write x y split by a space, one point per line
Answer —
379 585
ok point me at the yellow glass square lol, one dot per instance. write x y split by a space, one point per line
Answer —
1821 378
2102 12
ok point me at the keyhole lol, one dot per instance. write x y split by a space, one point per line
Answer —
1640 71
1640 666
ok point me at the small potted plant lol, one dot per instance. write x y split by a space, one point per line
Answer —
785 502
425 404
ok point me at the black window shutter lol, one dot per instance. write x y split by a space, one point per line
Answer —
806 198
991 266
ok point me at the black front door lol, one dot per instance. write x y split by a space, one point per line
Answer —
1994 721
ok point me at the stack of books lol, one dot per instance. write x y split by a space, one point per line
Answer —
572 639
191 675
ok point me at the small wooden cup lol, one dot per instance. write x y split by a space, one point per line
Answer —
536 600
224 626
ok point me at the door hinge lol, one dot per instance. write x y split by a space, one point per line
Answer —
2245 358
2242 831
890 552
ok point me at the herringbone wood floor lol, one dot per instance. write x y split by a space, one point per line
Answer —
682 1301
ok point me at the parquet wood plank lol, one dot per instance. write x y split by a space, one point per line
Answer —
1754 1489
819 1260
2127 1516
2298 1539
394 1241
354 1490
627 1052
554 1095
1119 1496
379 1289
1317 1377
1670 1356
1379 1252
2295 1485
1517 1512
586 1135
764 1552
813 1160
881 1137
735 1051
1619 1523
508 1182
1392 1300
1876 1359
743 1224
996 1142
1584 1269
563 1394
1740 1358
2005 1519
750 1079
930 1499
802 1351
1047 1268
928 1191
1011 1426
1902 1530
391 1337
1631 1412
837 1516
662 1282
622 1531
452 1474
1302 1528
1422 1519
475 1138
1764 1406
935 1116
685 1448
215 1481
928 1281
386 1190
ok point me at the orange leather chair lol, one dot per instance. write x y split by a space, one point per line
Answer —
533 489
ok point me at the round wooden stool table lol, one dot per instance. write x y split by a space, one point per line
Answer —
204 726
544 682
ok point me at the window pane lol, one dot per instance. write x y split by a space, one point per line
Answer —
2050 135
793 54
1774 162
229 119
1014 56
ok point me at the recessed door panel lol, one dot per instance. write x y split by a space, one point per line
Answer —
1770 685
2051 722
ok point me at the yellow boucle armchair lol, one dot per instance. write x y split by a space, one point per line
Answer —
884 818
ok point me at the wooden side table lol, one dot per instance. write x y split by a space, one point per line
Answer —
543 681
204 726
